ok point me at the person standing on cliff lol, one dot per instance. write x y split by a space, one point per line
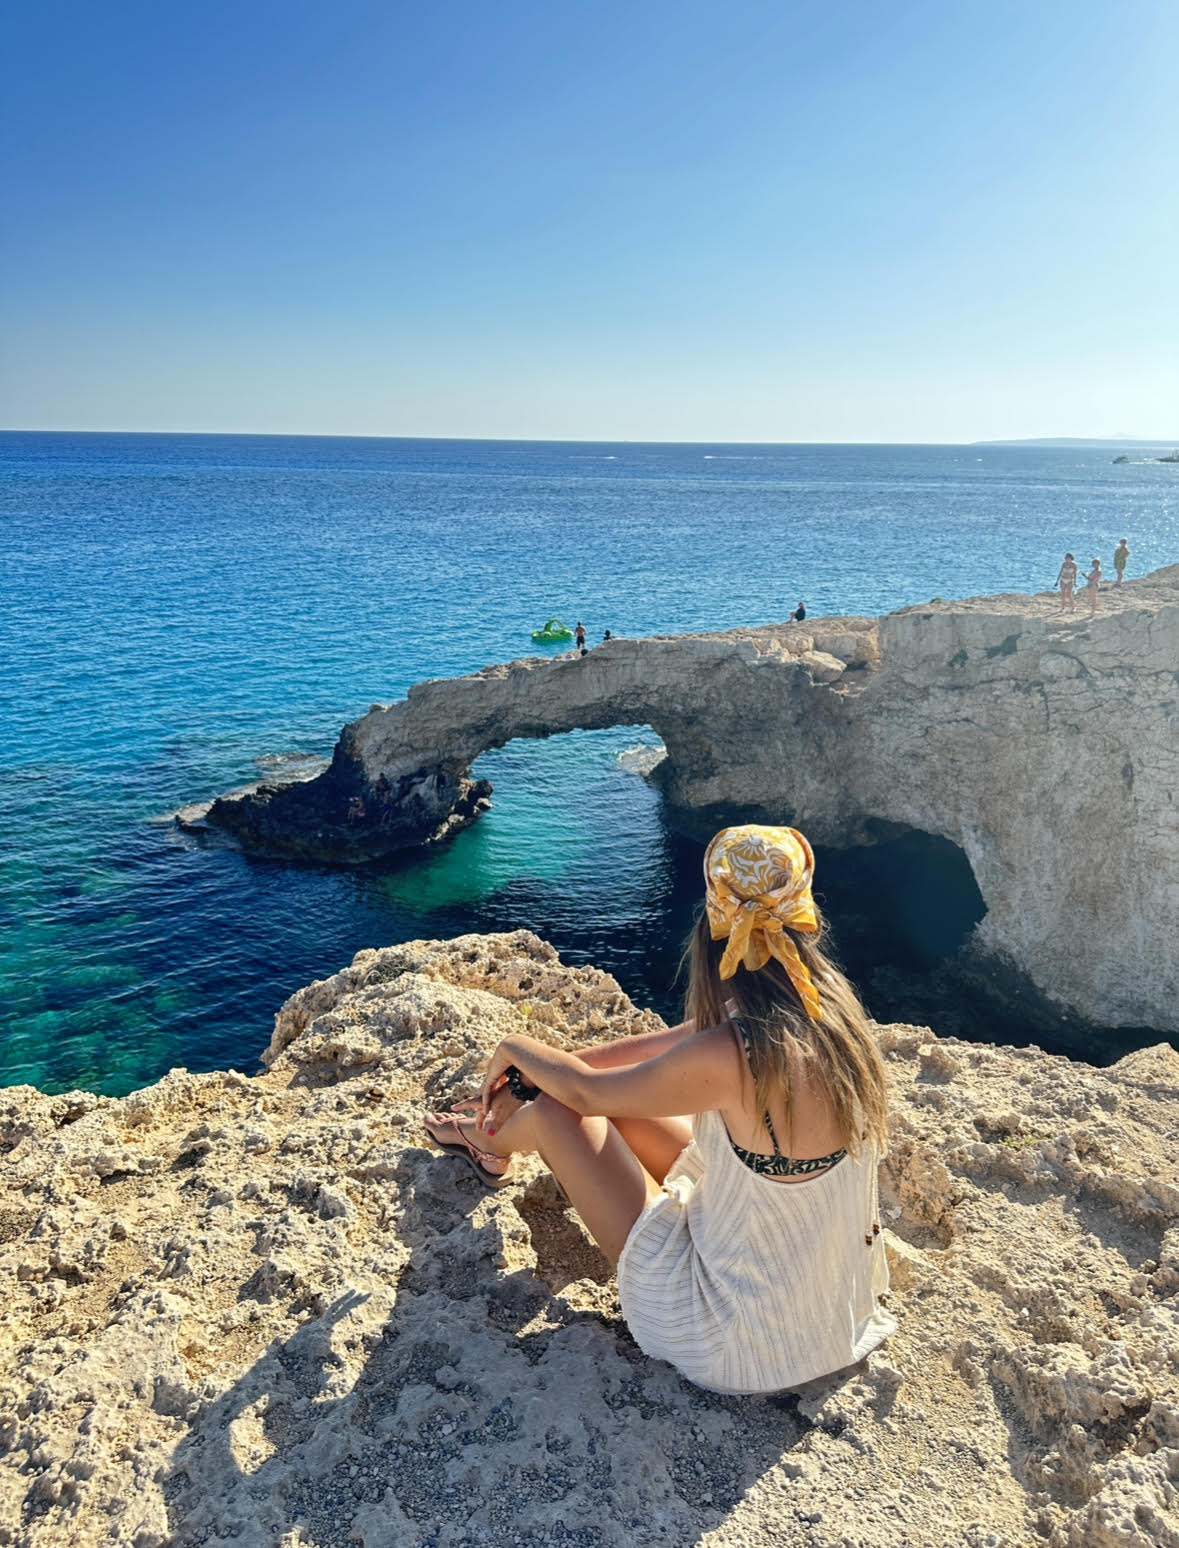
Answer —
1093 580
1121 555
579 637
1067 581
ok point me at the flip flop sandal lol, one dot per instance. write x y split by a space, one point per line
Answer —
465 1150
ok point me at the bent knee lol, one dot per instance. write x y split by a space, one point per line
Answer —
553 1115
548 1110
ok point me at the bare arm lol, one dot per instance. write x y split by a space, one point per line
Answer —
621 1053
633 1050
696 1073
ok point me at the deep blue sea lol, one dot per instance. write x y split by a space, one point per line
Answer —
180 613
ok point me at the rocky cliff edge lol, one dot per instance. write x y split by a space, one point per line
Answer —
261 1309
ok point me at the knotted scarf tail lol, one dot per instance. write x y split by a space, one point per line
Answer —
800 975
754 945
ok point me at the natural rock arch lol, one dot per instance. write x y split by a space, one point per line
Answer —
1044 746
400 775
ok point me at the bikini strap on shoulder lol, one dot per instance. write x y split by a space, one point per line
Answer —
769 1123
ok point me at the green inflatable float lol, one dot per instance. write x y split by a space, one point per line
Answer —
553 630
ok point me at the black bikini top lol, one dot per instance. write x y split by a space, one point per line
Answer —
777 1165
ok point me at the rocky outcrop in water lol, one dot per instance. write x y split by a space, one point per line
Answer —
263 1310
348 815
1044 746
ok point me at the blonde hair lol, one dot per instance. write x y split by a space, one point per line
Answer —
839 1051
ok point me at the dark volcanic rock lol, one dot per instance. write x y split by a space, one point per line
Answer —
342 817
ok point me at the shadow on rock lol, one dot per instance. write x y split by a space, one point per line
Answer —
482 1407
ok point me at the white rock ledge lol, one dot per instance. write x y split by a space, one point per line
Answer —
263 1311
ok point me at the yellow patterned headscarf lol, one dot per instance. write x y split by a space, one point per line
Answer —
759 882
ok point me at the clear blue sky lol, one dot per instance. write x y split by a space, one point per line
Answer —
752 220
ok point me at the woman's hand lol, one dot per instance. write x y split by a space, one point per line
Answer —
495 1076
503 1105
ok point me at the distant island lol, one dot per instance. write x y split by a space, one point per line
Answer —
1113 443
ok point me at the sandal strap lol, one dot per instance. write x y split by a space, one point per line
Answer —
480 1155
483 1155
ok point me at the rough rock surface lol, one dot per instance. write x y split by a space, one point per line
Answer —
1045 746
347 814
263 1310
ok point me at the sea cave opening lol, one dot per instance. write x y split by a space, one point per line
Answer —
902 907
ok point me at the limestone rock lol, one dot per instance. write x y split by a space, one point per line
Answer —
281 1317
1043 745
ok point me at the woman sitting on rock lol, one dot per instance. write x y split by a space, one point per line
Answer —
746 1238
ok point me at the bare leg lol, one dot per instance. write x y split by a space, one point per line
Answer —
601 1175
656 1141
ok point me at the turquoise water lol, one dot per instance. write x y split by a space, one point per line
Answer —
179 613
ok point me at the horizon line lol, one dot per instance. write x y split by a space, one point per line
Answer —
553 440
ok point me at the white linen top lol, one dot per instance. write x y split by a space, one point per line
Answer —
749 1284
